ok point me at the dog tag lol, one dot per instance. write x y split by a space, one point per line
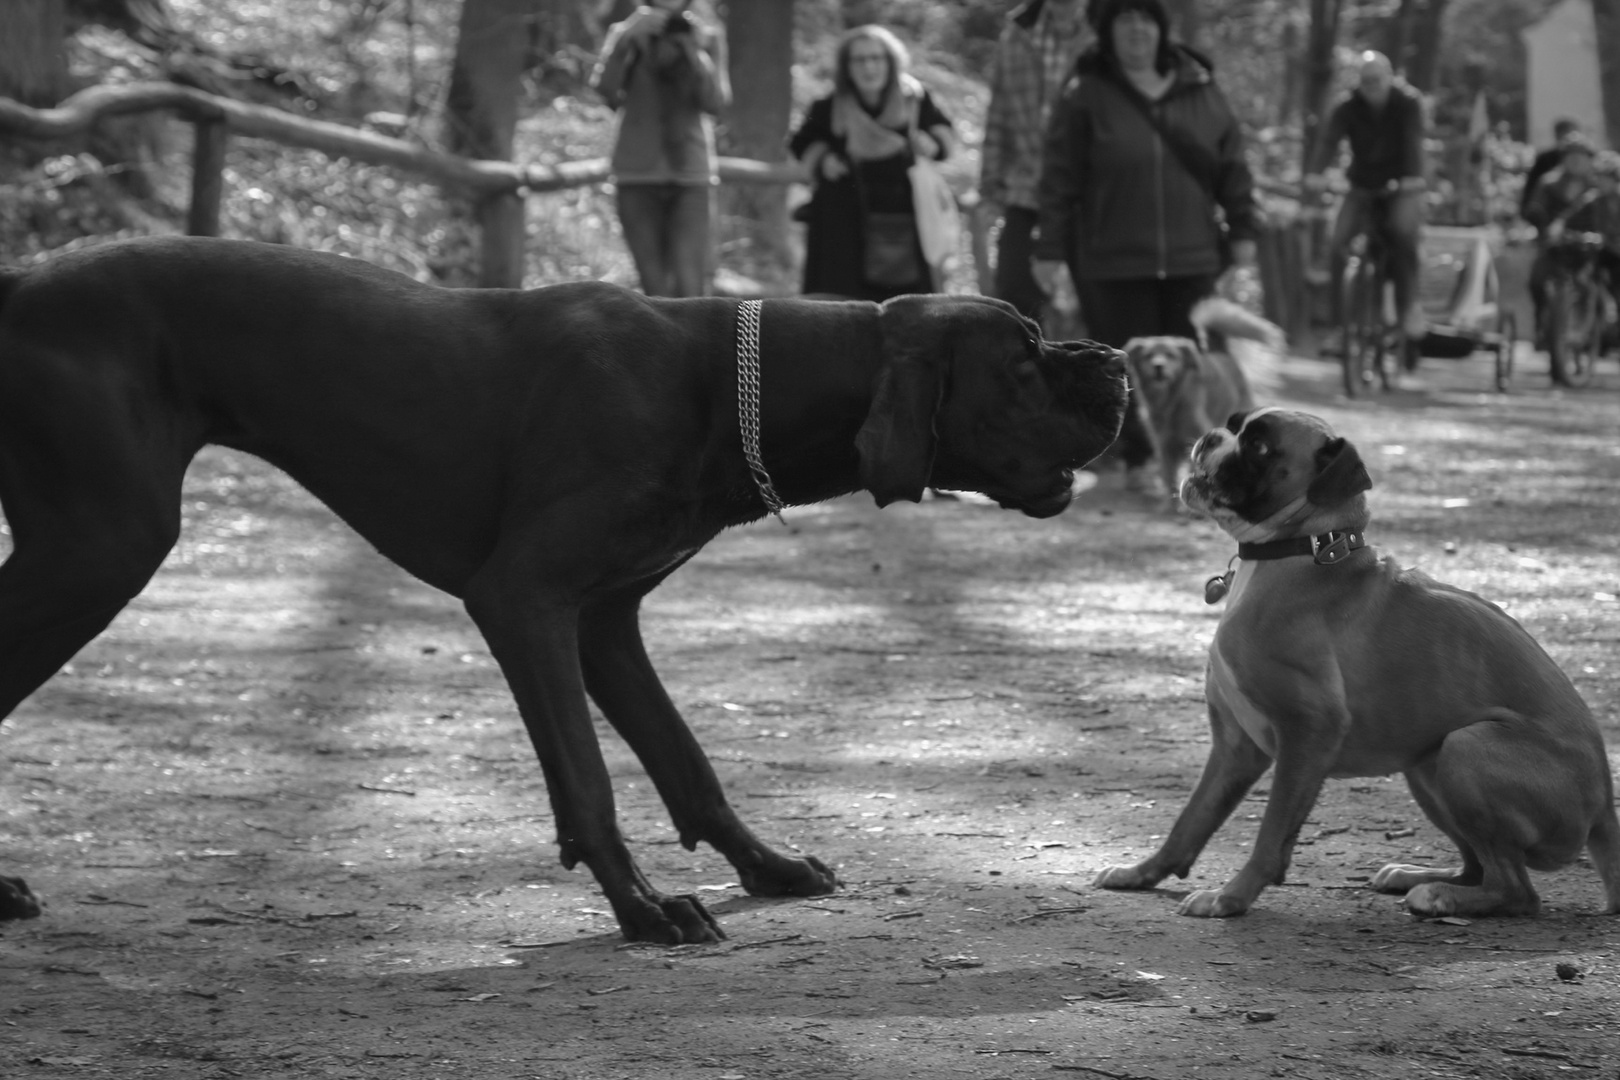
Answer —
1216 588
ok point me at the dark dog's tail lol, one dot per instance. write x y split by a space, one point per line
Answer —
1219 320
8 284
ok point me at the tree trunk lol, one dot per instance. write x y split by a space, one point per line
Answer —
1399 33
1321 40
1428 32
492 47
1607 15
33 56
759 36
1185 21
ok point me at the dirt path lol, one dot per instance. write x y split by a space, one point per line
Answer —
288 824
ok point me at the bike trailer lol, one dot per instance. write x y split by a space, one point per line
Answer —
1460 293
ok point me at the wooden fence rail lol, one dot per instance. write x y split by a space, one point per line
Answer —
497 188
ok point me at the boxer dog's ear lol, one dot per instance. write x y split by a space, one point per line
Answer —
1340 474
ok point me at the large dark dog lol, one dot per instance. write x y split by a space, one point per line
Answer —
547 456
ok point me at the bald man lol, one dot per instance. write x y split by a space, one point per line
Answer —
1383 121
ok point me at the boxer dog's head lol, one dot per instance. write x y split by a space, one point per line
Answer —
1274 473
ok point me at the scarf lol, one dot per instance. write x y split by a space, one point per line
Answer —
868 137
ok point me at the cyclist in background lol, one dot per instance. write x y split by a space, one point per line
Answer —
1575 197
1383 120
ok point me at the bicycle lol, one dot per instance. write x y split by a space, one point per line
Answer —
1374 335
1579 311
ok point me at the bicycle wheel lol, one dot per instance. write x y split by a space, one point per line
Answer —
1358 330
1506 332
1572 333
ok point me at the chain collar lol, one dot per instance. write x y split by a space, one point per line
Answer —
748 313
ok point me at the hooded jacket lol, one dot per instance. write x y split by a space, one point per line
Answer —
1117 202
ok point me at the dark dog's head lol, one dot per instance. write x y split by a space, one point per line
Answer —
1160 366
971 397
1273 473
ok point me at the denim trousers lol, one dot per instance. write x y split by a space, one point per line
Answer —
666 227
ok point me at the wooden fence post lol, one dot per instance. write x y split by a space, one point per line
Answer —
501 240
207 176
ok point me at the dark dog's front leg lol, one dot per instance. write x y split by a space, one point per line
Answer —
621 680
536 643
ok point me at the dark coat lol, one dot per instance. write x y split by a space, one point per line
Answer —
1119 203
835 245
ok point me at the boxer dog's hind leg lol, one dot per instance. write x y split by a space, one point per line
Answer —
1603 845
534 636
1504 797
621 680
1235 762
1403 877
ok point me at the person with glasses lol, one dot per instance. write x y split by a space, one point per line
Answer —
857 144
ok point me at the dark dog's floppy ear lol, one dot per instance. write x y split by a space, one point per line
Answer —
896 444
1340 475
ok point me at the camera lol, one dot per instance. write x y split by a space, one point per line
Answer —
669 55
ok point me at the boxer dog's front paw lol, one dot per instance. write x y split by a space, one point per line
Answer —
1400 877
1127 877
1212 904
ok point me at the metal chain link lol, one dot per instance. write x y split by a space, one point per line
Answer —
748 313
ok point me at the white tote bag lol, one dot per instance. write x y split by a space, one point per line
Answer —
939 222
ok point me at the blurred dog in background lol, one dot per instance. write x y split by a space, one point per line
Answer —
1188 386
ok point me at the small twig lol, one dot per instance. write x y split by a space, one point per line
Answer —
741 945
1550 1054
1097 1071
1044 912
902 915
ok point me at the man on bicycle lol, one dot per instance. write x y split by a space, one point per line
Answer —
1383 120
1576 197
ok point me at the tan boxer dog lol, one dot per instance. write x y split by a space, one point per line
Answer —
1332 661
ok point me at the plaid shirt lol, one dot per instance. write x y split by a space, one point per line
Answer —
1033 57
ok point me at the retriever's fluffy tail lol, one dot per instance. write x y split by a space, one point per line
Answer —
1220 320
1228 327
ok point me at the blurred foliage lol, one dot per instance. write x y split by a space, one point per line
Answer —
385 63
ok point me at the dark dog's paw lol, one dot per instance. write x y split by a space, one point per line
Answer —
17 901
670 920
782 876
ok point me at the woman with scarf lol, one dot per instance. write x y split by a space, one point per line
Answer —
857 144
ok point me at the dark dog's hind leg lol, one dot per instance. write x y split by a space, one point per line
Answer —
623 684
91 515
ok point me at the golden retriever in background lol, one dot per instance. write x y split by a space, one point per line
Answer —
1188 386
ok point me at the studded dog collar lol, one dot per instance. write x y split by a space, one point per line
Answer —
1325 549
